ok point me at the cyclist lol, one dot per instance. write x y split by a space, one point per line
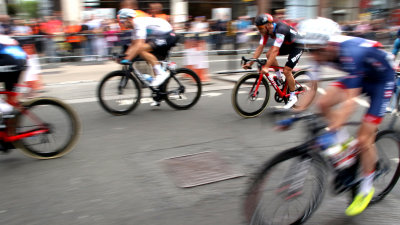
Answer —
370 72
284 36
151 36
12 63
396 46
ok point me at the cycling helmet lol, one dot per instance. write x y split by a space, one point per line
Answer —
316 31
263 19
126 13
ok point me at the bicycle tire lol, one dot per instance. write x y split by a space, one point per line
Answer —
252 202
112 106
235 93
301 84
391 162
186 84
30 149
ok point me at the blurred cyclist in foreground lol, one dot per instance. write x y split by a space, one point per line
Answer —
369 71
12 63
284 44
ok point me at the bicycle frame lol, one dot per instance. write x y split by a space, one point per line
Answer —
130 69
282 93
4 134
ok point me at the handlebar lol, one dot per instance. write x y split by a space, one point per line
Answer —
261 62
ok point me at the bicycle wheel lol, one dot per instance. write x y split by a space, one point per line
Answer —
287 190
58 117
388 167
183 89
309 87
119 94
243 101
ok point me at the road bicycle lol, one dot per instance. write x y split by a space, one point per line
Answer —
43 127
290 186
251 93
119 92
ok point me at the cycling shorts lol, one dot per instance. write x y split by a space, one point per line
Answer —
10 70
162 44
293 53
379 94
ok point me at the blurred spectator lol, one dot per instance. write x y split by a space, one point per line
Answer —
51 27
97 39
73 38
111 34
199 25
156 10
5 24
280 15
22 32
132 4
243 26
363 29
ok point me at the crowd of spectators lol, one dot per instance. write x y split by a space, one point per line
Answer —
54 39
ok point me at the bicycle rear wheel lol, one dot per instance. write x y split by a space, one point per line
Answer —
118 93
388 168
309 87
183 89
243 100
287 190
52 114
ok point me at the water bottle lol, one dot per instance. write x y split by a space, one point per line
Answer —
148 77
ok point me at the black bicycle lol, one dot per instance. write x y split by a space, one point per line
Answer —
290 186
120 91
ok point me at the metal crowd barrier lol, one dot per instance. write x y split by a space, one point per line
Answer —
54 48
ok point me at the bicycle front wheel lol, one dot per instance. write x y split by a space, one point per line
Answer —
183 89
388 168
118 93
245 101
287 190
52 114
307 88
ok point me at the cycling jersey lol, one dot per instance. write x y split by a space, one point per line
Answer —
157 32
145 27
284 36
282 33
368 68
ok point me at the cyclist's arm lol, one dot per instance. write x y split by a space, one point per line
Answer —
274 51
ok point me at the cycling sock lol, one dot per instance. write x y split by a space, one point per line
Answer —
292 94
366 183
158 69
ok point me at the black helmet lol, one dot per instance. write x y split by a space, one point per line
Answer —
263 19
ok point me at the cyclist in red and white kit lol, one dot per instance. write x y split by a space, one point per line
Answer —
284 44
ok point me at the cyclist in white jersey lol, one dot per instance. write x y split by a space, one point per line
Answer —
152 39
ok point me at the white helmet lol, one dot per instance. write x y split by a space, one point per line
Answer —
316 31
126 13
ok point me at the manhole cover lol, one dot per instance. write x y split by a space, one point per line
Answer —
198 169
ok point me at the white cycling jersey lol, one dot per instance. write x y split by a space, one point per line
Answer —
150 26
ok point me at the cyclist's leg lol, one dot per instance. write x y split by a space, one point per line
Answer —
334 95
380 94
293 59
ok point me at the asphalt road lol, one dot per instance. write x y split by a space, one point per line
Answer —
115 175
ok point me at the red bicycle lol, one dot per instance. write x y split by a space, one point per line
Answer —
43 128
251 94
